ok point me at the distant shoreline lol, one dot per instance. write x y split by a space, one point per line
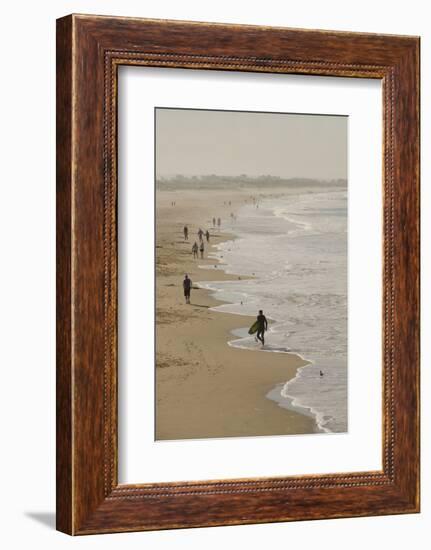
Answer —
179 182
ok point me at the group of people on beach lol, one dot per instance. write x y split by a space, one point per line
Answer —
201 247
196 249
261 321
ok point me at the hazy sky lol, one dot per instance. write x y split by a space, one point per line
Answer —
193 143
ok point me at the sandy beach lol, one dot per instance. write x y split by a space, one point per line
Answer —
204 387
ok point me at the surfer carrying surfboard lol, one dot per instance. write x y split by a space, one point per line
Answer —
262 325
259 327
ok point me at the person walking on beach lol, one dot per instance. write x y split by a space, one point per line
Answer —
195 250
207 236
187 286
202 249
261 327
214 222
219 222
186 233
200 234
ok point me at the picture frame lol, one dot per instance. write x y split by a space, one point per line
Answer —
89 51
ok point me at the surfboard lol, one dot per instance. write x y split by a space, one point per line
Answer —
253 327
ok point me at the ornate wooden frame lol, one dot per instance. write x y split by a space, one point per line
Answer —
89 51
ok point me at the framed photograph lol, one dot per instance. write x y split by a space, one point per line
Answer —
237 274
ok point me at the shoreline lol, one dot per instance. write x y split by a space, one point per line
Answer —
205 387
280 386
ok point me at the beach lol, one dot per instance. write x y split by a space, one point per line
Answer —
204 386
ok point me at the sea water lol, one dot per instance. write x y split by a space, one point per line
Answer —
294 245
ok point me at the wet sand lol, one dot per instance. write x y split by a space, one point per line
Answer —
204 387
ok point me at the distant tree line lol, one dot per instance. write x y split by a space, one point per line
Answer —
214 182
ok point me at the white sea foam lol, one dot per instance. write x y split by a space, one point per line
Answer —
295 245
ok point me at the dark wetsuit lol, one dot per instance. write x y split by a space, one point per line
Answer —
262 326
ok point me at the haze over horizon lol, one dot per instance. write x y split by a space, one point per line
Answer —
202 143
243 176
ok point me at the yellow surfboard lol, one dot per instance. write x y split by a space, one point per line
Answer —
253 327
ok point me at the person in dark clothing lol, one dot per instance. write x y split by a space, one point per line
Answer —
262 327
187 285
186 233
207 235
202 249
195 250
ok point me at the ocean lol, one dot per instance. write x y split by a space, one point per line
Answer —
294 245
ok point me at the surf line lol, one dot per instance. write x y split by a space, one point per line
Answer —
276 394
